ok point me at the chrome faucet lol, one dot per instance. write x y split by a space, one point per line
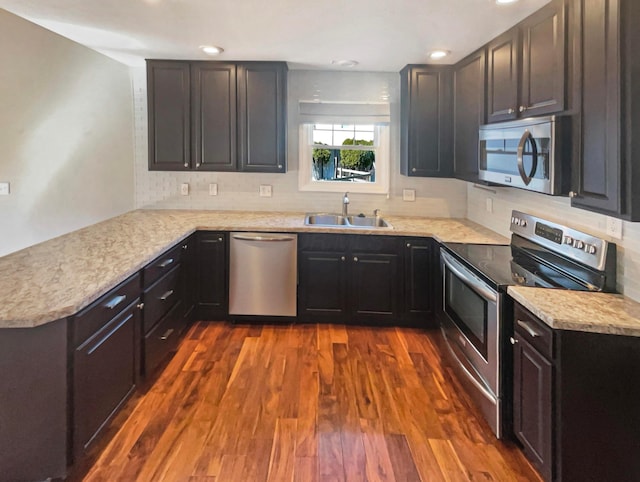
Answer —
345 204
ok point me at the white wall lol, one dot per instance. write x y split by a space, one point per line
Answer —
559 209
239 191
66 135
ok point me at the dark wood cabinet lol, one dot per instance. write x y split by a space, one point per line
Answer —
543 86
211 280
532 404
526 67
350 279
426 140
213 86
105 338
575 401
169 115
469 111
217 116
605 174
502 76
262 116
419 281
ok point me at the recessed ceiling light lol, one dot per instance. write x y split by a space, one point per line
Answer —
344 63
211 49
438 54
505 2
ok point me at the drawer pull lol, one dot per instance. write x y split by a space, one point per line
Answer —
115 301
166 263
167 334
528 328
165 296
513 340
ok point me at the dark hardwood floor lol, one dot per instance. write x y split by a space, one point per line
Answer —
303 403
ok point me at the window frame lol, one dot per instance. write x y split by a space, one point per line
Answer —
383 162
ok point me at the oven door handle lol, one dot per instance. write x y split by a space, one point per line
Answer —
475 283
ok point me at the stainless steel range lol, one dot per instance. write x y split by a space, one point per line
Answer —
476 311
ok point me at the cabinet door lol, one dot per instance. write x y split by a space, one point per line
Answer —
212 275
322 286
214 116
543 61
168 94
418 278
426 122
104 373
597 168
532 404
262 116
469 82
373 288
502 77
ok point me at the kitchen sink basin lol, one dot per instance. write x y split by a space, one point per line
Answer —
336 220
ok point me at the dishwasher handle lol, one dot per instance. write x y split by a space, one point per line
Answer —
249 237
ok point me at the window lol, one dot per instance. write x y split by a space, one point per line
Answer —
344 152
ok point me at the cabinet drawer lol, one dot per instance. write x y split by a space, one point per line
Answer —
323 242
162 265
161 297
375 244
533 330
97 314
163 338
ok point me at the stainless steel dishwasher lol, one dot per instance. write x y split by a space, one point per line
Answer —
263 274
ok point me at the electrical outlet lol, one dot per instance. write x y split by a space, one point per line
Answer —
184 189
265 190
4 189
489 205
213 189
408 194
614 227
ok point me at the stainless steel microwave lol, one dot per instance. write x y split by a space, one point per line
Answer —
530 154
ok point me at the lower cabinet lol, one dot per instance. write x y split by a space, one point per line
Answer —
364 279
575 397
211 286
105 367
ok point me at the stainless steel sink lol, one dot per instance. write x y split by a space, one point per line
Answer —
337 220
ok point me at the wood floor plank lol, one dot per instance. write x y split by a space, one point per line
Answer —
305 403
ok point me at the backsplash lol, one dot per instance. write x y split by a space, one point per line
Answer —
240 191
559 209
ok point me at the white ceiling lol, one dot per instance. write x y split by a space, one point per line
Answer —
382 35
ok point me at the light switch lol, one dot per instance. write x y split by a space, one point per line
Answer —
184 189
408 194
213 189
265 190
4 189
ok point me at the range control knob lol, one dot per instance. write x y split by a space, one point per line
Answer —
578 244
523 223
590 248
568 240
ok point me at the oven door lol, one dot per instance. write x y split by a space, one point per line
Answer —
472 331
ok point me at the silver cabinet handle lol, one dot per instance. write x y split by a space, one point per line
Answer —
513 340
167 334
198 164
165 263
342 258
522 108
140 306
186 164
355 258
216 240
510 111
408 245
166 295
185 246
413 169
527 327
279 166
115 301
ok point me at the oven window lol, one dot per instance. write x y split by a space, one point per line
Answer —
468 310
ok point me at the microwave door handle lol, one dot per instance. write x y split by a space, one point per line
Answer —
469 279
534 151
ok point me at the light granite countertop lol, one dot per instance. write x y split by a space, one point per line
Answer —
607 313
57 278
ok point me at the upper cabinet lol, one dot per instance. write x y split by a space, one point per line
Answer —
217 116
469 108
426 127
526 67
606 137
